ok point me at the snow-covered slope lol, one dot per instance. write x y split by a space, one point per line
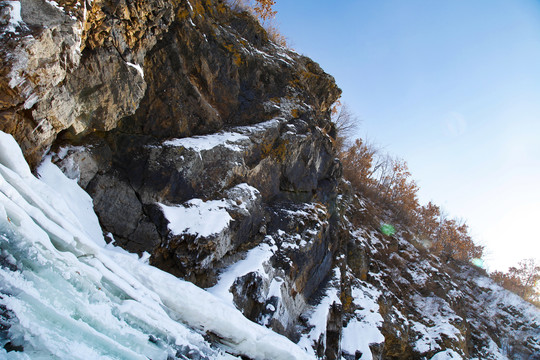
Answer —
209 150
65 293
400 301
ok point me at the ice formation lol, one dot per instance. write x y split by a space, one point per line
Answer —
65 294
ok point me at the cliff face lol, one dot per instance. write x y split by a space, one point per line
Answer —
116 91
79 68
210 148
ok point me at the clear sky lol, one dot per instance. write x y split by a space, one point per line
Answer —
453 88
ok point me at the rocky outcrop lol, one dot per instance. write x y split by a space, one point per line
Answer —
426 306
180 105
209 147
72 66
79 67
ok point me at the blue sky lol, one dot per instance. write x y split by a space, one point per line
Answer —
452 87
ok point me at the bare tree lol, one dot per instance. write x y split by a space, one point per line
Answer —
346 125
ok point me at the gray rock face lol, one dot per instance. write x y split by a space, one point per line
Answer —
208 167
194 254
35 60
50 84
89 101
204 70
83 163
201 142
199 74
114 199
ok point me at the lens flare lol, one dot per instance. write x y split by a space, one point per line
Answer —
478 262
388 229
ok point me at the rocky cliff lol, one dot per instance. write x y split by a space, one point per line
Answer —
209 150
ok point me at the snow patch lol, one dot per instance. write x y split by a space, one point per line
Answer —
10 155
197 217
318 317
55 5
363 330
253 262
136 67
236 139
439 318
260 127
31 101
447 355
190 7
15 19
357 336
80 203
207 142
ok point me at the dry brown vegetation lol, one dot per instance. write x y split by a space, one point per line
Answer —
264 11
388 182
522 280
